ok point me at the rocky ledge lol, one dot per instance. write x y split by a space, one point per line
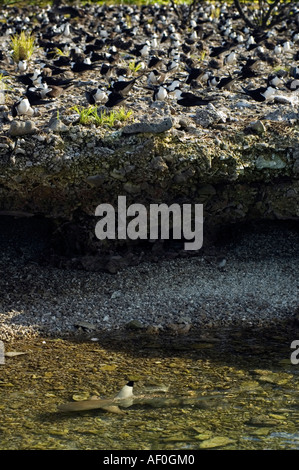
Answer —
238 174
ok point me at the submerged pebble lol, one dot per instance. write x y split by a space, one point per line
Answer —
214 442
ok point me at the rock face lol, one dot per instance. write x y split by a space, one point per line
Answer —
238 177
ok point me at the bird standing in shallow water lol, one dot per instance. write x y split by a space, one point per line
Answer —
126 391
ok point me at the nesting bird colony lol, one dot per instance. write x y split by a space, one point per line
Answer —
147 60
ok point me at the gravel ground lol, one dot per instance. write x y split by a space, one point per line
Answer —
258 285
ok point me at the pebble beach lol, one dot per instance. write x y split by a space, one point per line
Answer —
250 281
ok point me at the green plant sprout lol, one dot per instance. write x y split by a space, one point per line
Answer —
216 13
202 56
3 84
59 53
128 21
134 67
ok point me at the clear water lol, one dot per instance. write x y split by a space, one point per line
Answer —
227 390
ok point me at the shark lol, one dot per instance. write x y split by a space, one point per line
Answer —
125 399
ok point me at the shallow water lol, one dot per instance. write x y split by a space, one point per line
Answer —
227 390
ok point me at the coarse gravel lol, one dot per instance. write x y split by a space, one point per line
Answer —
252 279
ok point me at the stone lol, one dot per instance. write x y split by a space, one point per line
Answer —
18 128
147 127
280 115
217 441
275 163
257 127
243 104
183 176
96 180
283 99
135 325
158 164
56 125
260 431
132 188
209 115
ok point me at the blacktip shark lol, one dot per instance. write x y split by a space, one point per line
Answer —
125 398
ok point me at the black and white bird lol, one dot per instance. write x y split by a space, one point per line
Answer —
36 95
226 82
260 94
62 61
22 107
293 84
213 80
123 86
114 99
154 62
173 64
215 51
141 50
22 65
189 99
29 78
97 95
106 70
274 80
82 66
194 74
294 72
247 70
126 391
160 93
155 77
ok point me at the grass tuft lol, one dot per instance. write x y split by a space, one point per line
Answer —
88 116
22 46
